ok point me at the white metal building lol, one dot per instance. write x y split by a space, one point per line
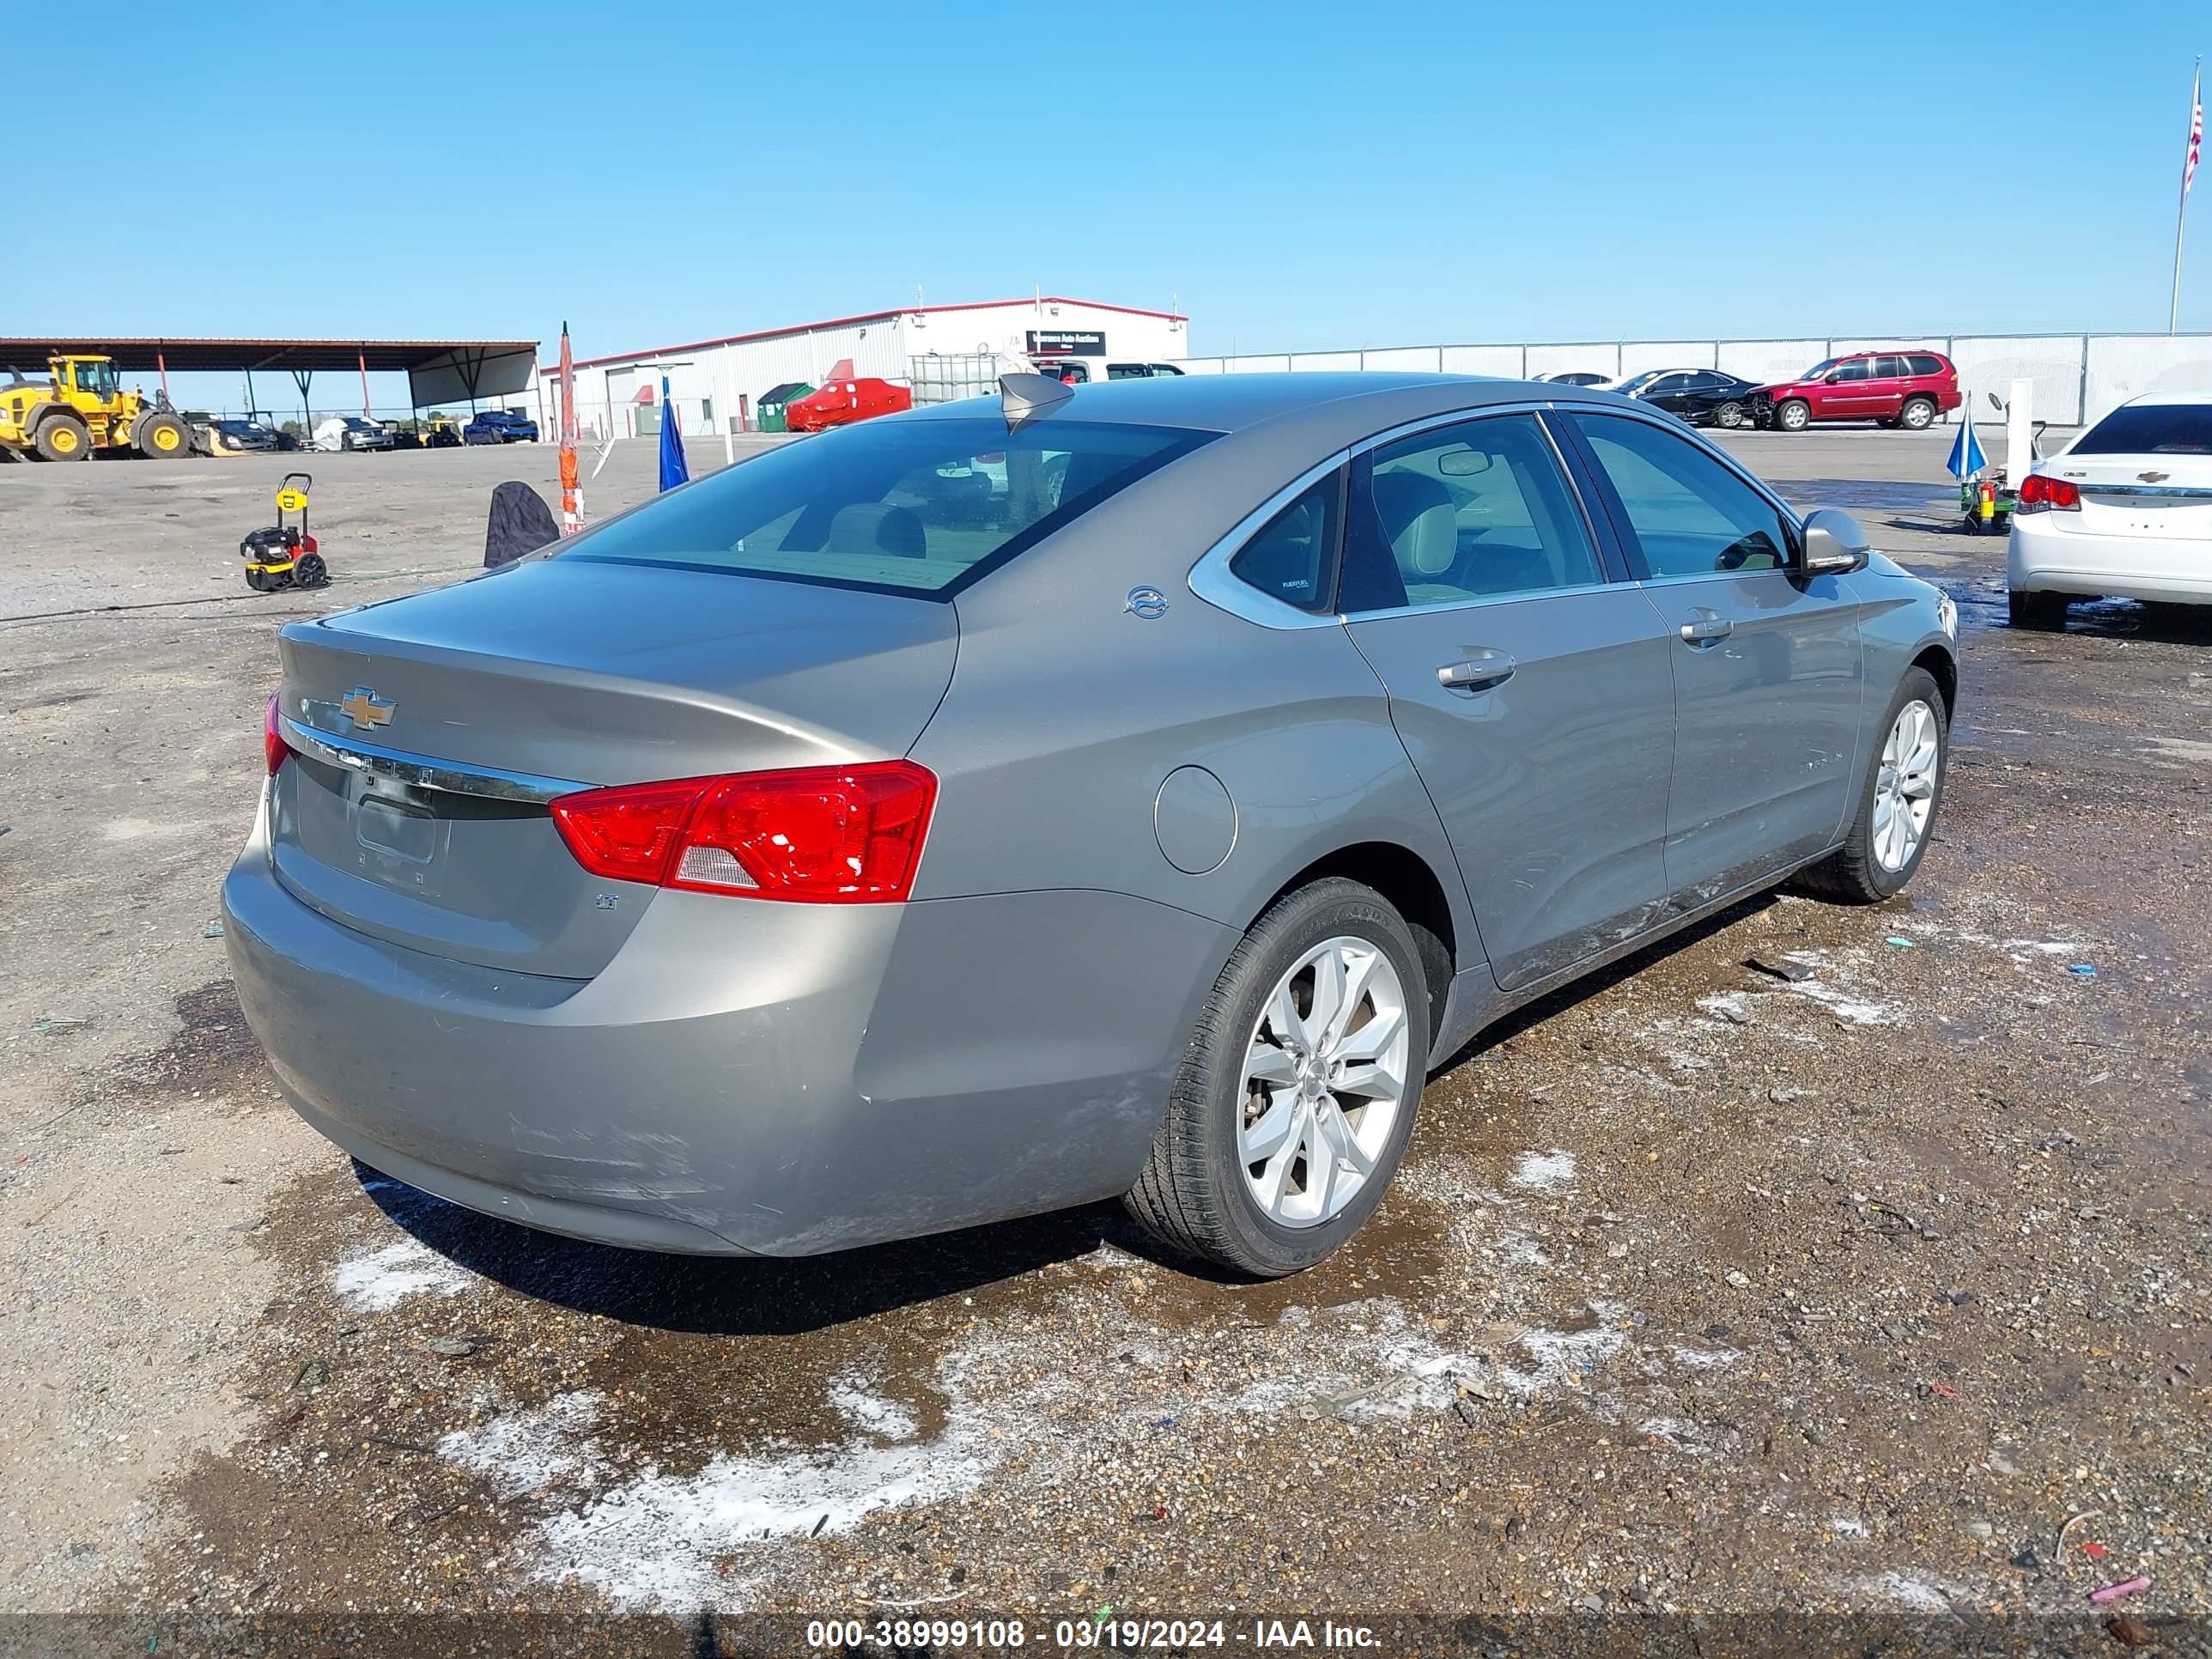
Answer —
707 377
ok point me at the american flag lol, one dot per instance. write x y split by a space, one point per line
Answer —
2195 133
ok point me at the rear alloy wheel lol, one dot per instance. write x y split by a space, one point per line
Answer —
162 437
311 571
1729 415
1897 803
1299 1091
2038 611
63 437
1918 415
1794 416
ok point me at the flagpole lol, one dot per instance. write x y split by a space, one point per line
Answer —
2181 212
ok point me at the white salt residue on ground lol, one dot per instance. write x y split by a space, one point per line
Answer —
1543 1172
527 1451
373 1281
859 1404
655 1540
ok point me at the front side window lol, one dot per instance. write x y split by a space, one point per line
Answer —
2150 430
1474 511
1691 515
1859 368
899 505
1293 558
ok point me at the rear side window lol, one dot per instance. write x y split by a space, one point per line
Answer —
1293 558
1924 364
2150 430
1891 368
1474 511
894 506
1692 516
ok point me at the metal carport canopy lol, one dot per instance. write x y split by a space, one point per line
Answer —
438 371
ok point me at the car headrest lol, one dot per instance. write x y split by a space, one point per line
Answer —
1417 521
876 528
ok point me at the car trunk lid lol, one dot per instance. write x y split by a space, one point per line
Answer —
430 732
2167 497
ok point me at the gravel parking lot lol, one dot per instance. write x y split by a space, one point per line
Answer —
1826 1260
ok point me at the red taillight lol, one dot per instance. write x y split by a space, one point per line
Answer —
2040 494
823 834
273 746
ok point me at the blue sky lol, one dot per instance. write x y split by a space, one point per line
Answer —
1296 176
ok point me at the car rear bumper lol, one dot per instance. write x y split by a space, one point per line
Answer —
746 1076
2045 555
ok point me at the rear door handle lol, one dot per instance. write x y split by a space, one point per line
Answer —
1705 628
1477 672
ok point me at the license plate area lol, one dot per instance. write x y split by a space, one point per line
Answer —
400 840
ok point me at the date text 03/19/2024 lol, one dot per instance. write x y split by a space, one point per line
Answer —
1008 1635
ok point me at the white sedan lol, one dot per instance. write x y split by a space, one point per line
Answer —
2125 512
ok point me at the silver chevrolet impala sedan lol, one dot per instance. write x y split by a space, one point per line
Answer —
1132 791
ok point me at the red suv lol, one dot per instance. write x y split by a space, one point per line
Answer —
1890 388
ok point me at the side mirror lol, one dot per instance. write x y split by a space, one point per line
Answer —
1834 544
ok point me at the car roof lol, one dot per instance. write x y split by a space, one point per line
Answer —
2169 396
1231 402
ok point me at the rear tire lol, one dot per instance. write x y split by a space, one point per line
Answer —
1729 415
2042 612
311 571
1794 416
1871 866
63 437
1198 1193
162 437
1918 415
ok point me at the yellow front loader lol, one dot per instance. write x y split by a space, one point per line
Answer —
83 408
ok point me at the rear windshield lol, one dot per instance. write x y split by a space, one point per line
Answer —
904 506
2150 430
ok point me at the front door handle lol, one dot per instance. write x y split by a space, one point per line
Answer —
1706 626
1477 672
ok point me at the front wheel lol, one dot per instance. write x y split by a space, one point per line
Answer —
1918 415
161 436
62 438
1794 416
1298 1089
1895 817
1729 415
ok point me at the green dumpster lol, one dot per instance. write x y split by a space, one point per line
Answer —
769 408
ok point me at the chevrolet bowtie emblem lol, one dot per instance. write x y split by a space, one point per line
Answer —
362 707
2154 478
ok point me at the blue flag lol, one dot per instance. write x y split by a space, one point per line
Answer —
673 469
1967 460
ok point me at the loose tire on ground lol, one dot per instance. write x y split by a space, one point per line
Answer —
62 438
1794 416
1193 1193
1918 415
1853 873
160 436
2037 611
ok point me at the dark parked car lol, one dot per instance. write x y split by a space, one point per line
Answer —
500 426
1573 377
1703 397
